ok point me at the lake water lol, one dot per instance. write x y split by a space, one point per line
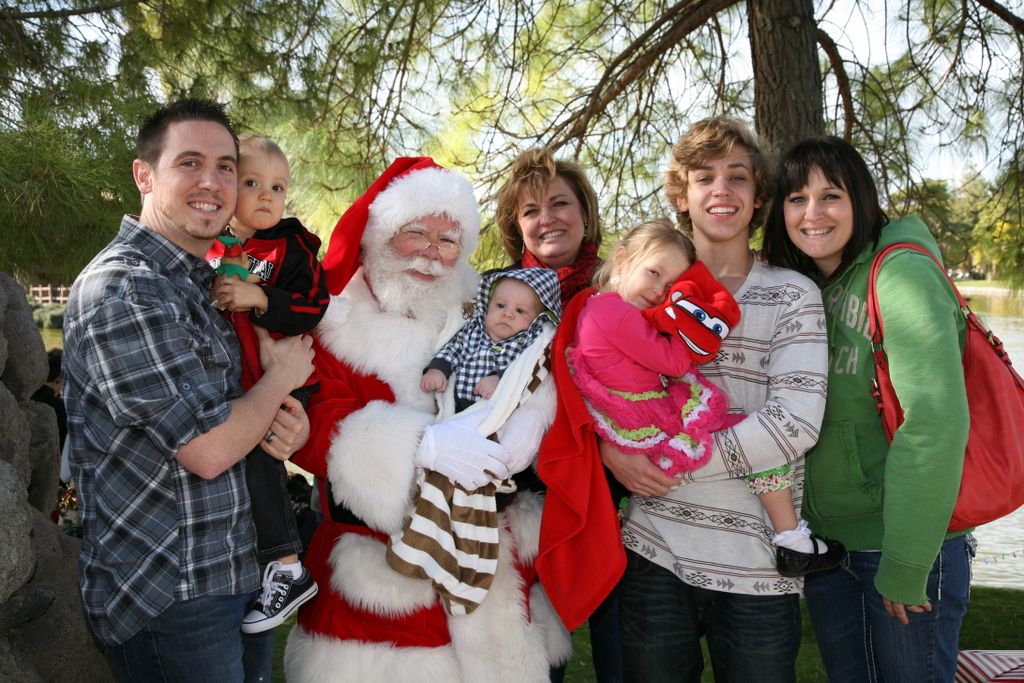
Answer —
1000 560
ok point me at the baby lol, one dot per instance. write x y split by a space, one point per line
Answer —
499 354
486 344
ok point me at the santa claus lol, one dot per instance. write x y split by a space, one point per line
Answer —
397 267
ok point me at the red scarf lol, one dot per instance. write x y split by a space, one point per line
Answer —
574 277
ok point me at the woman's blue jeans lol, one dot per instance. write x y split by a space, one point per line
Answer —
860 643
751 638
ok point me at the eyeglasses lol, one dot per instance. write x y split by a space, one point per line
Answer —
413 240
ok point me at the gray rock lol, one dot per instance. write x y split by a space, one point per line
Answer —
13 668
16 556
26 368
57 644
27 604
3 338
44 456
15 436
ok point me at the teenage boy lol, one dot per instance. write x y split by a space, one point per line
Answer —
699 552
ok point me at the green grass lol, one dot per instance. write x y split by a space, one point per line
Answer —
995 621
964 285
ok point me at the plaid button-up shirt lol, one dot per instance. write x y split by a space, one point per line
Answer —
149 365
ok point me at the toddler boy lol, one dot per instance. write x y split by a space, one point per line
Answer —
283 291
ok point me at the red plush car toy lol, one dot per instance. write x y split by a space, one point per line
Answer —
698 311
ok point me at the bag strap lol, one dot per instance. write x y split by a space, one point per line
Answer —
875 311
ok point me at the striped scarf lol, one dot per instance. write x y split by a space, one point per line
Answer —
451 538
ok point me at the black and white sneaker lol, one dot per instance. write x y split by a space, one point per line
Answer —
279 597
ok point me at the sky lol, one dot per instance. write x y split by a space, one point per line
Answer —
863 24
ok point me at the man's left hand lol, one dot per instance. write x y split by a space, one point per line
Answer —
290 430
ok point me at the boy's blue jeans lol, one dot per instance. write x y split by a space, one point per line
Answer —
750 637
860 643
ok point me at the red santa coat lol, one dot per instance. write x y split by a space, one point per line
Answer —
367 621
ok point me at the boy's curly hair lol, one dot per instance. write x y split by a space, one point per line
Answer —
710 139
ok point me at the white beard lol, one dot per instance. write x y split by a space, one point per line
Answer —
400 293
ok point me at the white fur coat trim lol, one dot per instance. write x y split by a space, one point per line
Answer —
559 640
426 192
524 522
392 347
499 640
361 574
310 658
370 462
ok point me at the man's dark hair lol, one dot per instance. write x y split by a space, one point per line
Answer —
151 136
53 358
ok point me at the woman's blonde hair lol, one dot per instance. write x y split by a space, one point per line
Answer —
640 242
531 173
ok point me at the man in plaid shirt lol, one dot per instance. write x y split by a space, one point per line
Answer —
157 422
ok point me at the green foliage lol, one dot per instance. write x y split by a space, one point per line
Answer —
997 232
59 203
346 87
49 316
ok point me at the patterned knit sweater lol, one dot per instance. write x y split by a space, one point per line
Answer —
711 532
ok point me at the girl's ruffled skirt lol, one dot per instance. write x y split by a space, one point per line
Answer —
671 424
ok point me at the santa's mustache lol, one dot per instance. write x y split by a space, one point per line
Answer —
426 266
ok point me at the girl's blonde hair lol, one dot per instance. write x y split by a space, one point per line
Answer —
640 242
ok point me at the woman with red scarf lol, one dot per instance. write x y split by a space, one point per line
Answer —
548 218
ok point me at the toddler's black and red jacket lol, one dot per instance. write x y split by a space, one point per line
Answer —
284 257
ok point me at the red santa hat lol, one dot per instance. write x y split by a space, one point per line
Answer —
410 188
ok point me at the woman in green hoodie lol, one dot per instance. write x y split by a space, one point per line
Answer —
892 610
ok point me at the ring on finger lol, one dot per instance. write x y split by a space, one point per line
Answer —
270 436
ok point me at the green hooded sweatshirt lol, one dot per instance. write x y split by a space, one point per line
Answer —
859 489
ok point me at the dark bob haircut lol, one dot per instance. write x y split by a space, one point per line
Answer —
844 167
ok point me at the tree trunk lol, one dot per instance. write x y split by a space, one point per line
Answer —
787 74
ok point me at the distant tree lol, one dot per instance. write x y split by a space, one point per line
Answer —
997 233
933 202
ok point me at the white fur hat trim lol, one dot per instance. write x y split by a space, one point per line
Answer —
424 192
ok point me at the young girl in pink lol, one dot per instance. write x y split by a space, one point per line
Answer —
659 312
640 384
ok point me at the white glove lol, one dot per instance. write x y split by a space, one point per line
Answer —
455 449
521 437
